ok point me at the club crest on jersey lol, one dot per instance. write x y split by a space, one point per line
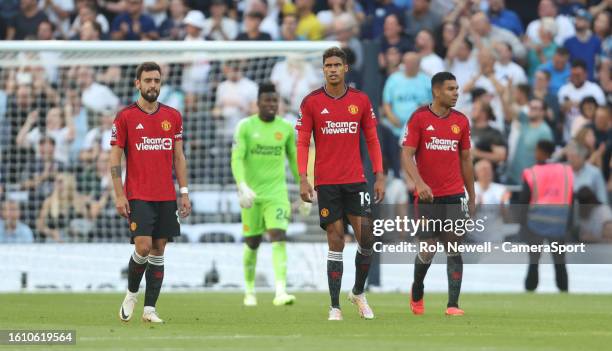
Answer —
324 212
133 226
166 126
278 136
353 109
245 228
455 129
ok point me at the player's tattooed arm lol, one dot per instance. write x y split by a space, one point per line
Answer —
116 171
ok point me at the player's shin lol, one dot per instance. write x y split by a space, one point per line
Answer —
334 276
136 269
249 261
154 277
279 261
363 258
454 270
421 266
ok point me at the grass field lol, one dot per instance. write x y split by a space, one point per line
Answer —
198 321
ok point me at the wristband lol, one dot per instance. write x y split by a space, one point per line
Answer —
184 190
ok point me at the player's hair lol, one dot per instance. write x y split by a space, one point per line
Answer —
579 63
546 146
334 52
266 87
147 67
441 77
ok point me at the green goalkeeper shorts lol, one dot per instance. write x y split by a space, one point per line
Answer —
265 215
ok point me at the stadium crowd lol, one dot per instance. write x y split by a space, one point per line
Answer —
535 70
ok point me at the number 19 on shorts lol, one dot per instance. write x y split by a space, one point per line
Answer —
364 197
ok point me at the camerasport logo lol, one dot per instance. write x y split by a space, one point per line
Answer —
442 144
154 144
340 127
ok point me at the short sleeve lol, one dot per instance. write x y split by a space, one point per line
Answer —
368 117
305 118
465 143
412 136
178 131
119 132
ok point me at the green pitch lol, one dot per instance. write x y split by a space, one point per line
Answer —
197 321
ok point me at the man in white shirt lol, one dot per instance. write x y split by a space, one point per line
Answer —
505 68
487 192
219 26
430 62
565 27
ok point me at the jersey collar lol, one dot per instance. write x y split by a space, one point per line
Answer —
152 113
438 116
346 89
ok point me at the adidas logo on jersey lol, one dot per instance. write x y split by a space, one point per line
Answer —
324 112
139 126
430 127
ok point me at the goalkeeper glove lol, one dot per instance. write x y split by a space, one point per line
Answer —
246 196
305 208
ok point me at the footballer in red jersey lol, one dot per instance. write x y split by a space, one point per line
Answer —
150 135
336 115
438 139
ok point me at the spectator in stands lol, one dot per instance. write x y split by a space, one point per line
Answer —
445 36
487 142
12 229
173 27
294 78
500 16
425 46
558 68
459 58
586 137
133 24
584 45
252 21
87 11
485 78
97 140
157 9
392 59
89 31
531 129
194 26
309 26
94 96
337 8
236 98
345 31
585 174
506 69
541 90
587 109
602 125
484 35
542 52
58 12
269 22
393 36
289 28
72 98
565 27
376 13
595 218
25 24
45 31
59 210
8 10
487 191
38 174
218 26
58 125
571 94
421 17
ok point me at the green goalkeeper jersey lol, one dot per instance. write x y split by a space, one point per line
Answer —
258 156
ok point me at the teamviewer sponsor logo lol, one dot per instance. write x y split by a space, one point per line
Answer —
442 144
340 128
154 144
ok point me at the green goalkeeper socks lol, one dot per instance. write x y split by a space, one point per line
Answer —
279 261
249 261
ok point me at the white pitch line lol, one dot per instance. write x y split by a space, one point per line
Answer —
188 337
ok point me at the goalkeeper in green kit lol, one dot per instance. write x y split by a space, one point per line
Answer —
261 144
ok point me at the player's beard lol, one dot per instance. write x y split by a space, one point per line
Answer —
150 96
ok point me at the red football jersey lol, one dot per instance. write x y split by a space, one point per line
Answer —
336 123
438 142
148 141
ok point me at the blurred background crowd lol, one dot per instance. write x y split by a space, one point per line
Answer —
527 71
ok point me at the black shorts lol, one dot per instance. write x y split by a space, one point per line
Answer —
440 212
157 219
338 200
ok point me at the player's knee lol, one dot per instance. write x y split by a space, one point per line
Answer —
336 243
277 235
253 242
143 249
